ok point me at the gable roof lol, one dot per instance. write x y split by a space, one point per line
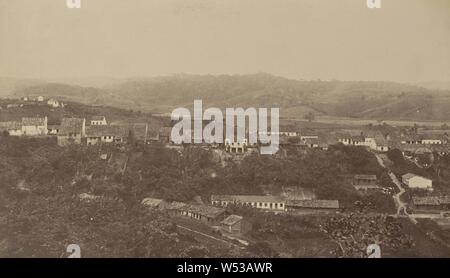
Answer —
98 118
329 204
105 130
431 200
12 125
231 220
366 177
408 176
248 198
26 121
208 211
151 202
71 125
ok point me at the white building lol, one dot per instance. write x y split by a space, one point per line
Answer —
417 182
261 202
98 120
53 103
40 98
368 142
431 142
34 126
236 147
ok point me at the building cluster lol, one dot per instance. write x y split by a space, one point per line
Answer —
229 224
36 126
216 214
76 131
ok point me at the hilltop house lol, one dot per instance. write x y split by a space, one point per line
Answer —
98 120
417 182
53 103
34 126
12 128
72 130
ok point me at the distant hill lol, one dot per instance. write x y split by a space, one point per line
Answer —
9 85
296 98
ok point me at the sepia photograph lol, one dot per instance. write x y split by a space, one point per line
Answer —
225 136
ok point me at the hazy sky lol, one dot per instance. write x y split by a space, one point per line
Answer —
405 40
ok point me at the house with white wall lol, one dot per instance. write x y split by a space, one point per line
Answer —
417 182
34 126
98 120
273 203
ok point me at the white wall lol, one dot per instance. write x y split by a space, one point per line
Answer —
420 182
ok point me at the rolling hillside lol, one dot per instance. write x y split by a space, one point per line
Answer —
296 98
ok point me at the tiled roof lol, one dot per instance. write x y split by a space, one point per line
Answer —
98 118
429 201
331 204
248 198
231 220
208 211
71 125
33 121
408 176
366 177
432 200
151 202
104 130
12 125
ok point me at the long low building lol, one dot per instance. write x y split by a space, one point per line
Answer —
312 205
256 201
431 204
273 203
206 214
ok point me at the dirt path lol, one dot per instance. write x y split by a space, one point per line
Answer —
401 206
